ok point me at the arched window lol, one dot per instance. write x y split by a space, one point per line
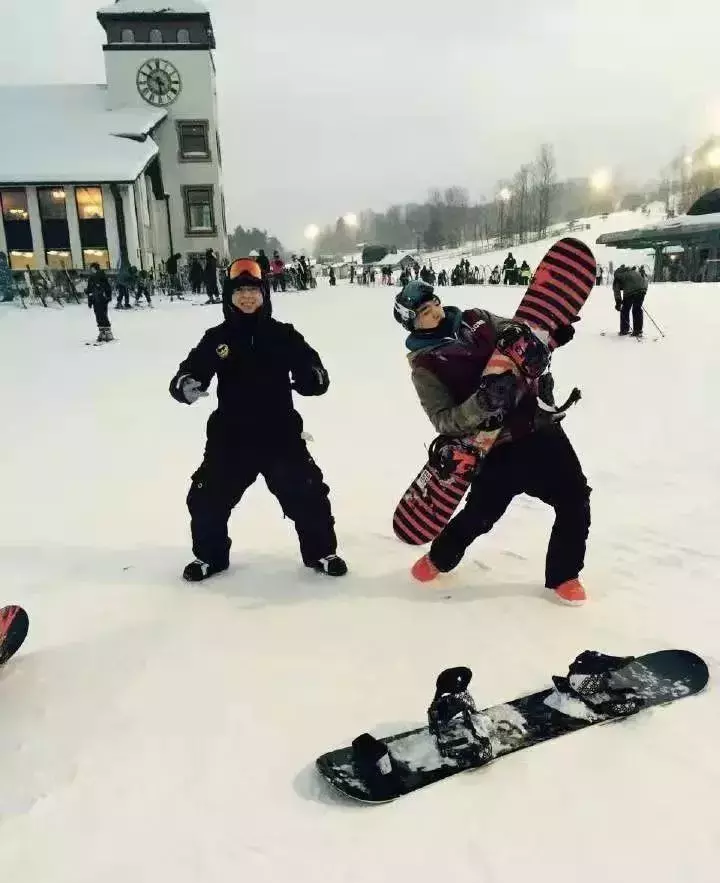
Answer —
156 36
183 35
127 35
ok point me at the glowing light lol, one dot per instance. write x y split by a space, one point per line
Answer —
688 160
351 219
600 179
312 231
505 194
713 158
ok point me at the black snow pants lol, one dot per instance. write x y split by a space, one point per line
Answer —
542 465
291 475
632 302
100 308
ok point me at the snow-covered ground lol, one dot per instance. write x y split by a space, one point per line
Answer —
155 730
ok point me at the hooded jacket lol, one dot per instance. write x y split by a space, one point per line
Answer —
447 364
258 362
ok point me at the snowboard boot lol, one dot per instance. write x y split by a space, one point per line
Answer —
331 565
377 767
571 592
424 570
451 722
589 679
197 570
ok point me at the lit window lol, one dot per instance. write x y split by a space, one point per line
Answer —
183 35
127 35
98 256
89 203
193 137
14 205
199 214
156 36
59 259
52 203
21 260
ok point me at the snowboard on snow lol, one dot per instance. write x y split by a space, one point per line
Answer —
14 624
557 292
460 737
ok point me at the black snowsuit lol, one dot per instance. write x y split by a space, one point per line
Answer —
256 431
629 288
99 295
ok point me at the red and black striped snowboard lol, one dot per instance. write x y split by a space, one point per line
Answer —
557 292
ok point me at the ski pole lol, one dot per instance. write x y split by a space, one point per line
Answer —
653 321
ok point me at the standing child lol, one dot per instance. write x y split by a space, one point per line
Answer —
255 429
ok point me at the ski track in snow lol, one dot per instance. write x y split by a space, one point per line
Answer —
155 730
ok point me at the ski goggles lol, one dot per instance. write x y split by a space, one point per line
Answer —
245 273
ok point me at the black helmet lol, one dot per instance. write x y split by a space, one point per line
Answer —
409 301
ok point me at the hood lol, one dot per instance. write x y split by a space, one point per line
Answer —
233 315
447 330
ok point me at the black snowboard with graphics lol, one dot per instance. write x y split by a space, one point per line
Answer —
14 624
374 771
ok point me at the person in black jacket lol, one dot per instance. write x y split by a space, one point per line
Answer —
99 295
629 289
255 429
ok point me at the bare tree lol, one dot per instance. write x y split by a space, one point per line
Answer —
544 175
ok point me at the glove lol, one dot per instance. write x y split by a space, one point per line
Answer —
189 390
314 382
563 334
618 304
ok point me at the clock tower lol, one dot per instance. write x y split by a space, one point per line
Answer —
159 56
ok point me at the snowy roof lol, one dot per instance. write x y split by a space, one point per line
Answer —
154 7
65 134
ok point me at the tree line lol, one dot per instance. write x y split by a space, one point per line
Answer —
523 207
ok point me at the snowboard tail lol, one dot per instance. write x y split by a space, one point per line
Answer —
414 759
557 292
14 624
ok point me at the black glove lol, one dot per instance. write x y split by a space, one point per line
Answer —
618 304
313 382
563 334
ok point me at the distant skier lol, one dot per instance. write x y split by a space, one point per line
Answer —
509 265
629 289
99 295
448 351
210 277
255 429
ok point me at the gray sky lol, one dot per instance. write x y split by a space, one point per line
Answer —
328 107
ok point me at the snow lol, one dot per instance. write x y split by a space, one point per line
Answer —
146 7
157 730
65 133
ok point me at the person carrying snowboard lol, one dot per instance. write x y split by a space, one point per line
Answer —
629 289
448 351
255 429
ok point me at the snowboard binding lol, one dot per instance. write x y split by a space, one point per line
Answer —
452 457
520 344
589 679
450 719
377 768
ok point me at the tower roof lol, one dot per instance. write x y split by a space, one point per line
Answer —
154 7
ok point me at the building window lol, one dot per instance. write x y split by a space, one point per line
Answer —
58 259
193 140
156 36
183 35
52 203
14 205
21 260
199 213
127 35
89 203
98 256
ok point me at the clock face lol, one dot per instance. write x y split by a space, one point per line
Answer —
158 82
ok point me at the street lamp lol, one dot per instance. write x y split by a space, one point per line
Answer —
600 180
311 232
351 219
504 196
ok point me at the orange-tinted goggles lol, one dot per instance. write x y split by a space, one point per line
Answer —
245 268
